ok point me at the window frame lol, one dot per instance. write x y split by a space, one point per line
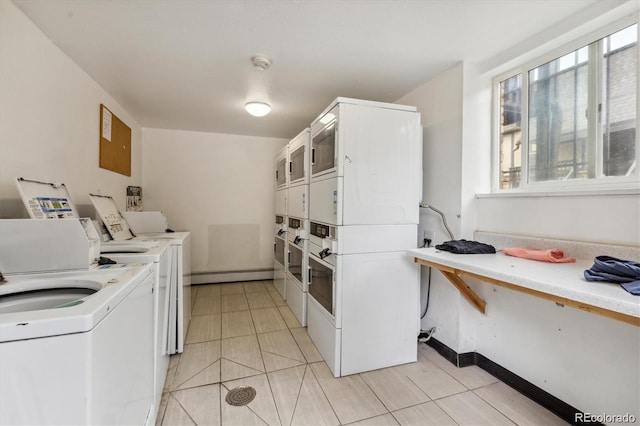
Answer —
598 183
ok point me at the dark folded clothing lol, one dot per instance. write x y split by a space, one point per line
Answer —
466 247
609 269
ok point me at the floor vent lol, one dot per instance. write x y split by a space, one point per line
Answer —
242 395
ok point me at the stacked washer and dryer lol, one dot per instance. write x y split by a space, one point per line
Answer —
291 243
364 193
297 225
280 237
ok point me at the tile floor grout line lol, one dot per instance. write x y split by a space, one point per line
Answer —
183 409
198 371
471 391
374 392
449 374
416 385
298 344
323 391
295 407
489 403
283 356
275 404
243 365
264 365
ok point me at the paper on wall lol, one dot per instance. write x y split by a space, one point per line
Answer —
106 124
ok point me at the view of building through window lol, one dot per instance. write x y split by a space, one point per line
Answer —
577 126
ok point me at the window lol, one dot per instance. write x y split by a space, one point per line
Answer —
572 119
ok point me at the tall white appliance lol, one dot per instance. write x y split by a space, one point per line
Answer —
280 237
180 243
298 224
180 287
159 254
364 195
76 339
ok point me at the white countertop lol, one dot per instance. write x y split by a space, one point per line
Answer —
558 279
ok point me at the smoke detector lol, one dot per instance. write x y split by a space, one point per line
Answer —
260 62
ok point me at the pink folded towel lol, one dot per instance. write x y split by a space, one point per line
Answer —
550 255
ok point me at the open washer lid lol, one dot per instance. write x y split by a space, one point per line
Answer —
116 225
46 200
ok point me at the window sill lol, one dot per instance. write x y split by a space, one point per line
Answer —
561 193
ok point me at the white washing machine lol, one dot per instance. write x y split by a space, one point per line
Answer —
180 288
160 255
363 305
52 201
76 347
180 242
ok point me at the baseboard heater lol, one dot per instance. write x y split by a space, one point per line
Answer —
214 277
528 389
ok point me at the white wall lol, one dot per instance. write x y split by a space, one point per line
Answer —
588 361
600 218
440 103
221 188
49 120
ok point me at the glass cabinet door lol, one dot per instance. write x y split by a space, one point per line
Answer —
321 284
323 149
296 165
281 172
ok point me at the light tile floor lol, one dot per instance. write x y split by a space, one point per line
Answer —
243 334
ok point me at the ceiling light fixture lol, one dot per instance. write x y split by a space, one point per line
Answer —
257 109
261 62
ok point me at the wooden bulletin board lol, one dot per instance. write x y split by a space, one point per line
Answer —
115 143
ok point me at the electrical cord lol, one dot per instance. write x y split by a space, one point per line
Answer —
425 336
428 295
442 216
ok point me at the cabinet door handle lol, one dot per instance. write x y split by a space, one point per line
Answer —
309 275
313 156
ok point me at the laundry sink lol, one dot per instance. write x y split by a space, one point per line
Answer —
42 294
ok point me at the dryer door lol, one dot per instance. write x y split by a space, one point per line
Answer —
321 283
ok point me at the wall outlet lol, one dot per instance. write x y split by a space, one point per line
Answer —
429 237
